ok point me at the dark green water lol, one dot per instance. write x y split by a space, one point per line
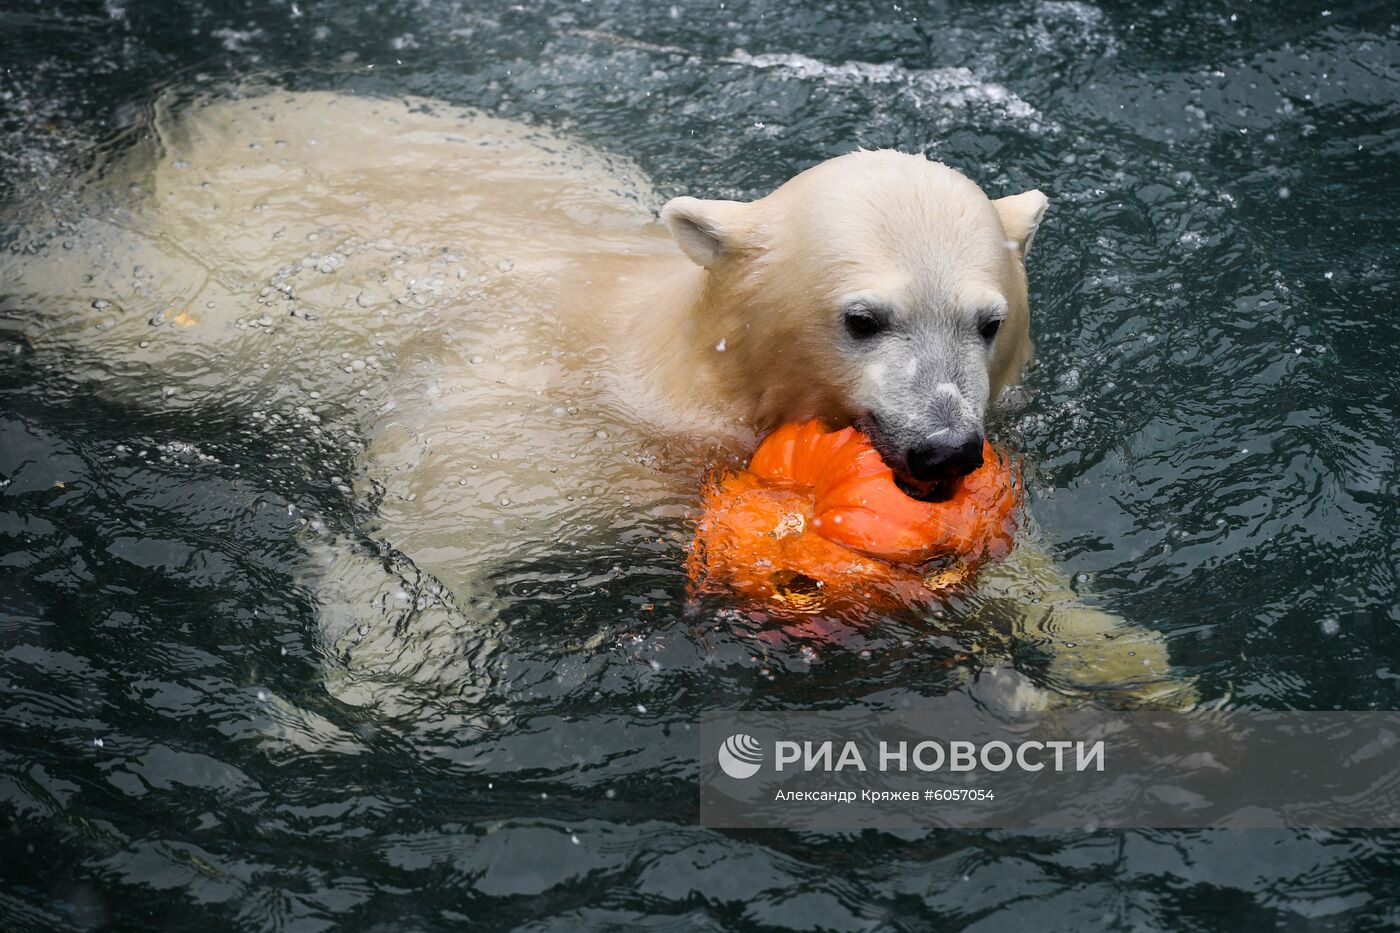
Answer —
1211 424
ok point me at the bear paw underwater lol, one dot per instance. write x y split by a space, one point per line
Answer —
817 519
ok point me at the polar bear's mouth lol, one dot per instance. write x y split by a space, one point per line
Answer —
938 491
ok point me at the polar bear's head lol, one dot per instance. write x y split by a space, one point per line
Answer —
876 288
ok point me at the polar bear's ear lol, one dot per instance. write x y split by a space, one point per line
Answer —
1020 216
706 230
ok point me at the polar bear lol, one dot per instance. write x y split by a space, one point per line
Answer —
524 357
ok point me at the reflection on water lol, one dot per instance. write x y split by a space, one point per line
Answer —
236 680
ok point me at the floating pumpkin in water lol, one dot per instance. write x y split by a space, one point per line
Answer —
817 520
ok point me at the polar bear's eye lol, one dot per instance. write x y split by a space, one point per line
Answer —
989 328
863 323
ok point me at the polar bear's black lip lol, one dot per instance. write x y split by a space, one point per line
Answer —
937 491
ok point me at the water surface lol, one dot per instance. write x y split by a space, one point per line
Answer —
1209 431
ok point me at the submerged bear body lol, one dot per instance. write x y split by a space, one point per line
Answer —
524 349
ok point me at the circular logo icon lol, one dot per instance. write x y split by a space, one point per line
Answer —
740 756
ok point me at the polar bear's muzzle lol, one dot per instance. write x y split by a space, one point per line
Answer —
927 467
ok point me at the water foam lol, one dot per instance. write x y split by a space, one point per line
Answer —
953 88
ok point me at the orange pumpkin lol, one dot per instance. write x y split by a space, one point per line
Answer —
817 520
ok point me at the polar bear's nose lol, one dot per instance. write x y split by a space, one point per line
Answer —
945 458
